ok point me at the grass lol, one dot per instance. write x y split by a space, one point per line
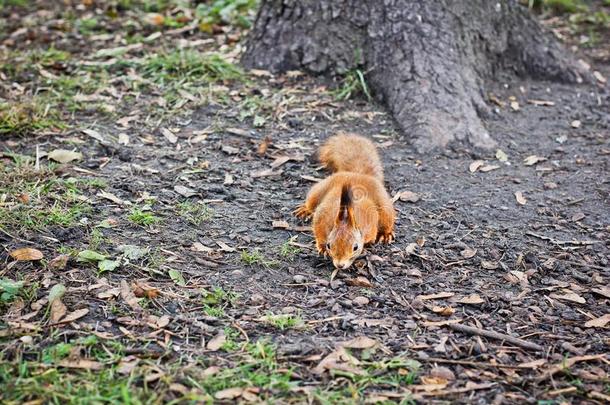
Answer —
27 118
194 212
284 321
143 217
166 68
216 300
289 252
353 84
255 257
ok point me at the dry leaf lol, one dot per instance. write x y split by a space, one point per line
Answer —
532 160
598 322
340 360
185 191
111 197
228 180
514 105
603 291
435 296
229 393
569 296
26 254
361 342
488 168
200 247
599 77
73 316
217 342
578 216
474 166
263 146
520 198
64 156
58 263
501 156
444 311
575 124
489 265
169 135
468 253
472 299
359 281
142 290
280 224
407 196
544 103
224 247
83 364
58 310
129 297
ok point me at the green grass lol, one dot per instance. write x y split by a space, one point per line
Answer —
216 300
352 84
195 212
284 321
289 252
27 118
142 217
234 12
166 68
255 257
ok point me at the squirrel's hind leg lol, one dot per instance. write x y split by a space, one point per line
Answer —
387 216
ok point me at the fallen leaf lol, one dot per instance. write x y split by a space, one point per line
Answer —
216 342
123 139
111 197
56 292
488 168
489 265
474 166
176 277
58 310
603 291
229 149
520 198
340 360
64 156
224 247
599 77
280 224
360 342
569 296
185 191
500 155
444 311
73 316
89 256
468 253
578 216
142 290
514 105
472 299
359 281
93 134
169 135
575 124
58 263
129 297
598 322
228 180
83 364
26 254
407 196
200 247
435 296
108 265
532 160
229 393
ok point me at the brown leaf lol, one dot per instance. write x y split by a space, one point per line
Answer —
532 160
169 135
142 290
472 299
444 311
435 296
58 263
263 146
217 342
578 216
489 265
58 310
340 360
359 281
468 253
598 322
407 196
229 393
129 297
569 296
83 364
603 291
26 254
280 224
488 168
520 198
73 316
224 247
127 365
474 166
361 342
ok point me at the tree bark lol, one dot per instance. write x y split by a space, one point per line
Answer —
427 61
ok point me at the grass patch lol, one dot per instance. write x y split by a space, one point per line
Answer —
215 301
353 84
289 252
143 216
284 321
189 65
194 213
27 118
255 257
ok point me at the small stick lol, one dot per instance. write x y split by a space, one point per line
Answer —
563 242
567 363
475 363
495 335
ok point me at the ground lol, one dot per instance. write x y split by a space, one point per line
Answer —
157 179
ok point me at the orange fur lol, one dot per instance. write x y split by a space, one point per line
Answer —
367 214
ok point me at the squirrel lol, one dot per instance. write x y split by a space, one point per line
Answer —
350 208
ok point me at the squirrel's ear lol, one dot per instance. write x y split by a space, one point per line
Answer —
346 209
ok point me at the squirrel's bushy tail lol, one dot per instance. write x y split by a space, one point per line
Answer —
351 153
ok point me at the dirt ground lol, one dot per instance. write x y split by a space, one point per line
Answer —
184 277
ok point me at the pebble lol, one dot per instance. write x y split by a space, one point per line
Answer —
299 279
360 301
442 372
257 298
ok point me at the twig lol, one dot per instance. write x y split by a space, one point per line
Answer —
243 332
495 335
475 363
442 393
566 364
563 242
332 318
14 237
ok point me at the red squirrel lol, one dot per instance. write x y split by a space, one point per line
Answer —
351 207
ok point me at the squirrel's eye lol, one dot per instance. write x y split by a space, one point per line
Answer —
355 247
327 246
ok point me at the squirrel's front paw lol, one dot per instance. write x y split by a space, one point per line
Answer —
321 247
386 237
302 212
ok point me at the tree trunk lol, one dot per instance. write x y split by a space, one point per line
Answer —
427 60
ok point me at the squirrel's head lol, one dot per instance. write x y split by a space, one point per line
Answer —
345 242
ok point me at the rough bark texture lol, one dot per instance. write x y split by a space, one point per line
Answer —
427 60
